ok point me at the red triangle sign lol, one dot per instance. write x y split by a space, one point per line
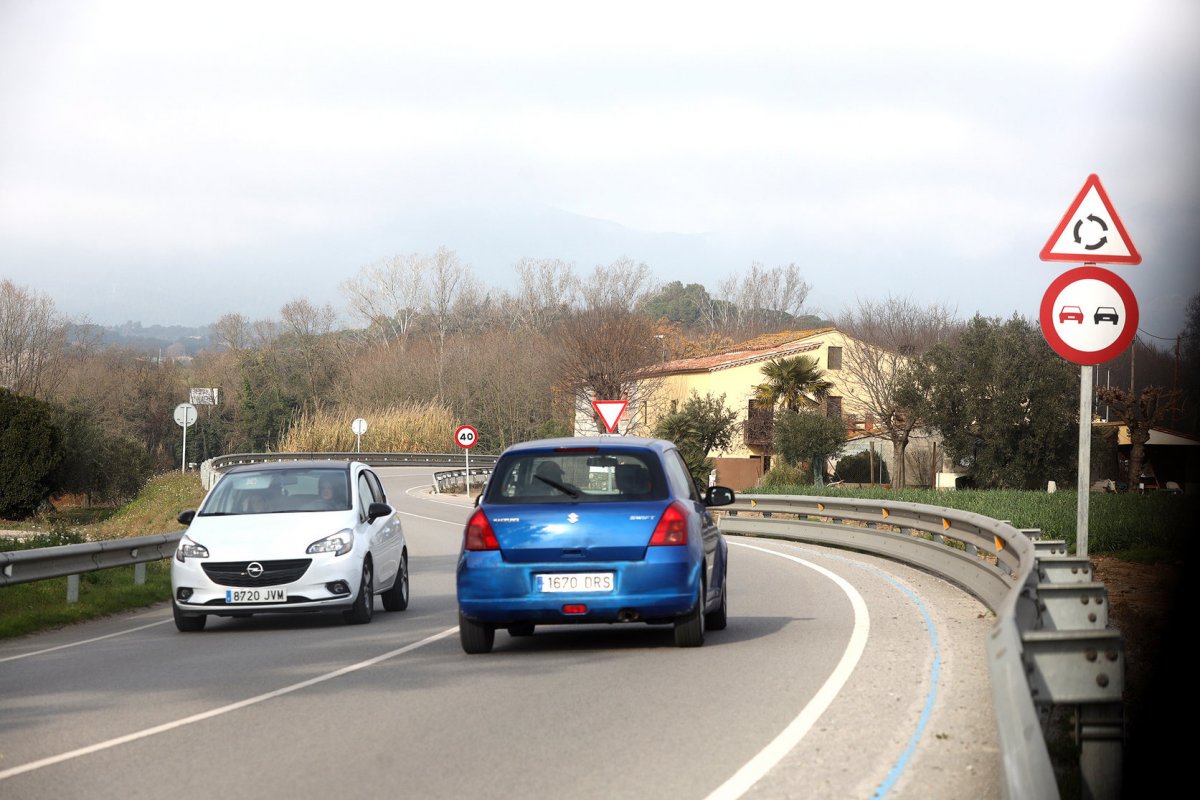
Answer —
610 411
1091 232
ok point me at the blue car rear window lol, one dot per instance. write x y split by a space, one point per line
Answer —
576 477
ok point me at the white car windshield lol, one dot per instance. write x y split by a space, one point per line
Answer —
273 491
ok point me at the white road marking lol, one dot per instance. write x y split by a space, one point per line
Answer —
83 641
762 763
216 712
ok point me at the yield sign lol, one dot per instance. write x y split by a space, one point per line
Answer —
1091 232
610 411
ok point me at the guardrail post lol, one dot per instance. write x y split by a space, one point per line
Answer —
72 588
139 574
1100 731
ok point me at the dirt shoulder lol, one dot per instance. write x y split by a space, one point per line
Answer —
1146 606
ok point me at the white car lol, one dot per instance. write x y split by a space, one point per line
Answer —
287 537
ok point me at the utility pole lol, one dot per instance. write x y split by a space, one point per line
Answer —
1175 387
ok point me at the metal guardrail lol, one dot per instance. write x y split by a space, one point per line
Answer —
25 566
447 480
1051 646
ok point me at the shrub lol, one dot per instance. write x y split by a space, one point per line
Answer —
782 475
30 450
859 467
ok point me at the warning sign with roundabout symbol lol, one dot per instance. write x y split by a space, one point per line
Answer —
1089 315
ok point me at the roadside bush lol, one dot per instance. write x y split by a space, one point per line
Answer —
859 467
783 476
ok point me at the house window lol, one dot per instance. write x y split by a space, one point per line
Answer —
833 407
835 358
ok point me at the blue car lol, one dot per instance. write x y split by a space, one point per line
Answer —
598 529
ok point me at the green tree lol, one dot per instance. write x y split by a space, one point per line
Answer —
809 436
796 382
703 424
677 303
1005 404
30 450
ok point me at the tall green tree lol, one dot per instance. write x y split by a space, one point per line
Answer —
1005 404
795 382
30 450
702 425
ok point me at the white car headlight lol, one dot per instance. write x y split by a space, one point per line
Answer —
189 549
338 543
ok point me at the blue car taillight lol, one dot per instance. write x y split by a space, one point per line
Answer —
479 534
672 527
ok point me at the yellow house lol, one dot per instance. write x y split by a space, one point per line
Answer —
735 373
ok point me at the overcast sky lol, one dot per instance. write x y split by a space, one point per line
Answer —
168 162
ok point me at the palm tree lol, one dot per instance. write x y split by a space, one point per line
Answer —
792 382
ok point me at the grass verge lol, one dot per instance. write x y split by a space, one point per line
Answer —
41 605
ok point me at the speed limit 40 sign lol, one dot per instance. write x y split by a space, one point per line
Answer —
466 436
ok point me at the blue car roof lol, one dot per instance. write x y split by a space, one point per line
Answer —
609 442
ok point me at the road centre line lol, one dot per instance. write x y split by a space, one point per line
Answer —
458 523
766 759
216 712
83 641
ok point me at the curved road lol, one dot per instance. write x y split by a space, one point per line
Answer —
840 675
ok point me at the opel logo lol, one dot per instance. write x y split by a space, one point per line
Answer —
572 518
254 569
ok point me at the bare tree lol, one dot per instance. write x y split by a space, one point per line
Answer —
621 285
605 355
1139 412
758 299
388 296
309 330
449 286
548 290
33 339
232 332
884 336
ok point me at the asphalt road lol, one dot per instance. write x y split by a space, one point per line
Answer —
839 676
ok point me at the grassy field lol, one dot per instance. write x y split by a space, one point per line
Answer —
1134 527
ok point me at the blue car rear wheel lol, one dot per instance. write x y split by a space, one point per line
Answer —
689 629
716 620
475 637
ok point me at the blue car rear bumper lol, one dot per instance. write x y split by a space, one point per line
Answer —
657 589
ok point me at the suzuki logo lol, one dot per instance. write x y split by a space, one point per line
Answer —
572 518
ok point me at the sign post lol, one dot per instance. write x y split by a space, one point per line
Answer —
359 427
466 437
185 416
1089 315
